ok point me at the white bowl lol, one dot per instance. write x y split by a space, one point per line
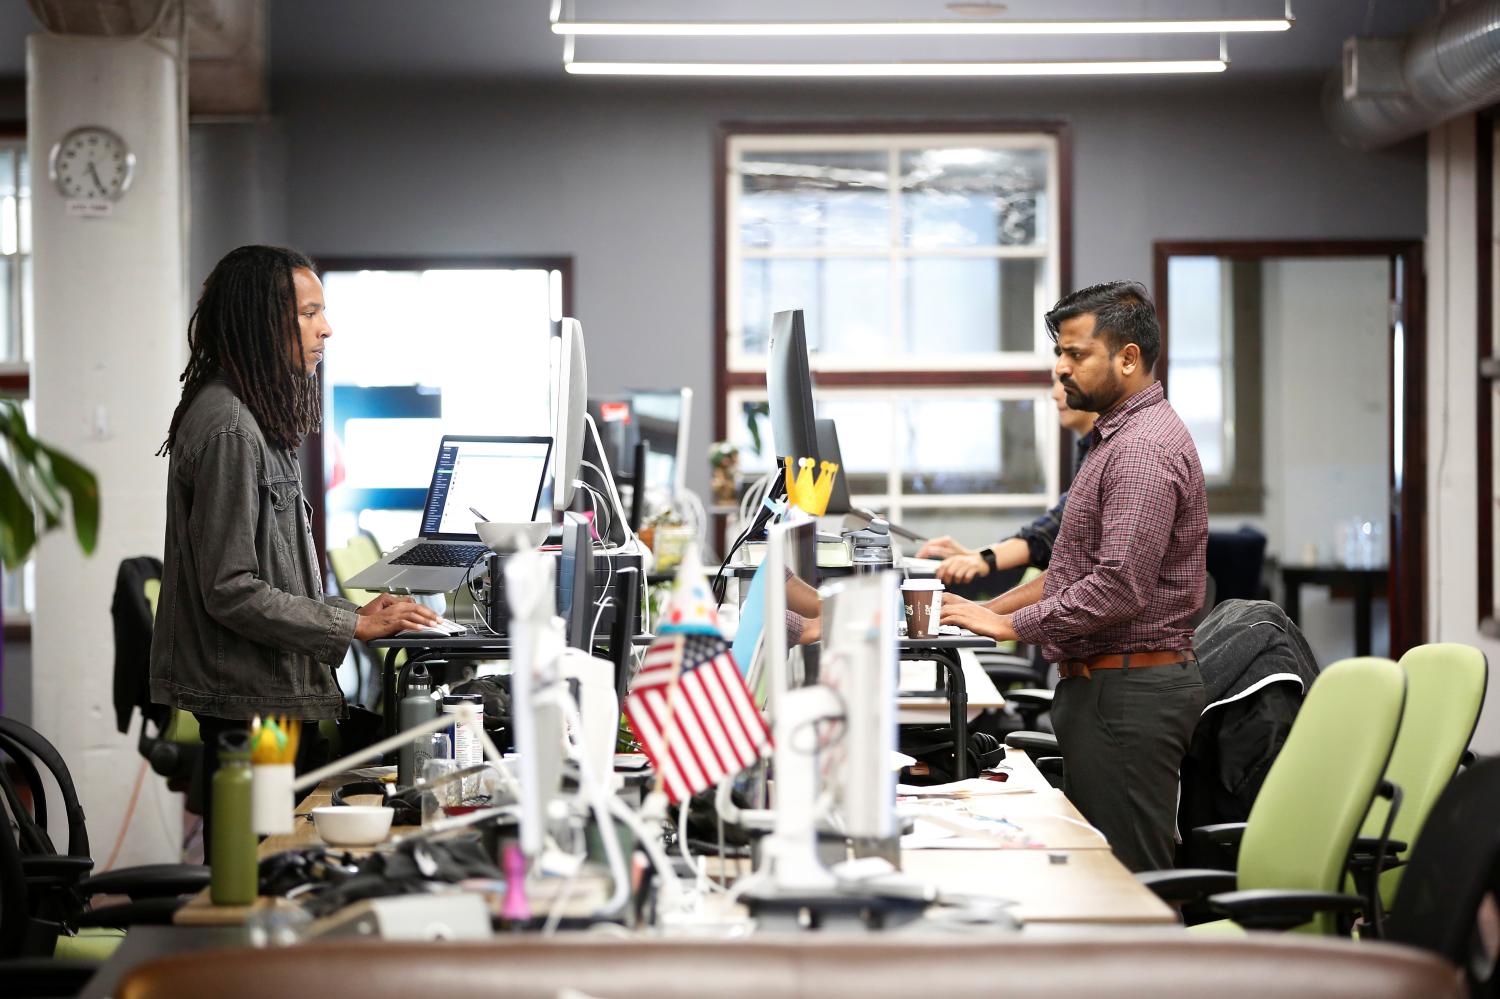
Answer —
353 825
500 537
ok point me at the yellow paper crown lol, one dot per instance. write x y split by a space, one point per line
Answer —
804 493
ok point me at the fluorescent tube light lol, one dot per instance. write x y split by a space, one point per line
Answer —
1103 67
657 29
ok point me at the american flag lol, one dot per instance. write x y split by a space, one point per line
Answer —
692 713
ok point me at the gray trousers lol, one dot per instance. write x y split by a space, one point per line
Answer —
1123 734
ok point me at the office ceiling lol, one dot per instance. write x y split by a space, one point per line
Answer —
492 39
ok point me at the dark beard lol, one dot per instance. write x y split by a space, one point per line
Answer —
1099 401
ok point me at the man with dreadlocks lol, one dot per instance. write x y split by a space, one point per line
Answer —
243 627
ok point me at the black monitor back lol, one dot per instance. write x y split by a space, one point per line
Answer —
789 386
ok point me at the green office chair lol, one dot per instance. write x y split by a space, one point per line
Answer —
1445 686
1294 848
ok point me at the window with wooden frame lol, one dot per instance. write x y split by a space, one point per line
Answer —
924 256
16 325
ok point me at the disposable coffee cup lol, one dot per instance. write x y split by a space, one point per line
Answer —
923 600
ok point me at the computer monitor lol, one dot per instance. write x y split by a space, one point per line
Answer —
662 420
538 723
570 388
789 386
859 664
828 450
575 580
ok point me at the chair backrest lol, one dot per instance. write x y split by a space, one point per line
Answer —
357 555
1319 789
1455 863
1444 691
17 738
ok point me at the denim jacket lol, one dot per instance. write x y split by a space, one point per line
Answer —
243 626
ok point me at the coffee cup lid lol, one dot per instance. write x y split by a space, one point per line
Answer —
922 584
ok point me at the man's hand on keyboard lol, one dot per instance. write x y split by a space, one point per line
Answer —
386 615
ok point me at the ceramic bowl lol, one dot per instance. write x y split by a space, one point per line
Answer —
500 537
353 825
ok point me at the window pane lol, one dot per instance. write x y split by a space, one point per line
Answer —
864 429
968 306
1198 397
10 234
1195 309
10 341
25 207
814 199
953 444
974 197
845 303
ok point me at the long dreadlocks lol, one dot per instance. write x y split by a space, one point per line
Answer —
245 329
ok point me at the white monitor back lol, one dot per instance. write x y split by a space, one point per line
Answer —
570 391
859 664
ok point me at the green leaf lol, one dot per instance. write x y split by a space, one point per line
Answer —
17 522
82 488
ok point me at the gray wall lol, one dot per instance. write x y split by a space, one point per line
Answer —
622 180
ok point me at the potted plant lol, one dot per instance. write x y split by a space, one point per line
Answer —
35 481
724 459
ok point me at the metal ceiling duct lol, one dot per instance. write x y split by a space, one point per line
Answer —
226 43
1393 89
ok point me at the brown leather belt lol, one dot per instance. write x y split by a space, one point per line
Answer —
1129 660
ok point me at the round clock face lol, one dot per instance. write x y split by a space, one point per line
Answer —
92 163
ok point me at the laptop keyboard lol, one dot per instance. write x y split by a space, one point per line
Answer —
441 555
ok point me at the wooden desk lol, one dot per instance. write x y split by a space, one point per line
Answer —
1087 885
933 710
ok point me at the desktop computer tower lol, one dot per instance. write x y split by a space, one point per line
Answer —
624 587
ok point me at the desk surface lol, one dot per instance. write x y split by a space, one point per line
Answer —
1089 886
979 689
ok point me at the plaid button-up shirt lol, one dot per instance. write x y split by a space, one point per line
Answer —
1128 568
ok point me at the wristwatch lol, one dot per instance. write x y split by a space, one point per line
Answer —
988 554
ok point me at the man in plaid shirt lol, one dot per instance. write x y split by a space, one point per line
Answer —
1113 609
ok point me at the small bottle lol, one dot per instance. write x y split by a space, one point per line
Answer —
234 875
416 707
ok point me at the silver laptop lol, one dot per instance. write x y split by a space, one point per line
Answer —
500 477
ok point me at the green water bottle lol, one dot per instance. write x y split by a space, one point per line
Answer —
234 875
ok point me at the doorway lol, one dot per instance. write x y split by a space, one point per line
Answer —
1298 366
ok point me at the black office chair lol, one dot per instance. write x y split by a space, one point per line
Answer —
1452 882
1235 561
58 883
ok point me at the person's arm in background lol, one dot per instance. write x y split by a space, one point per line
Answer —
1031 545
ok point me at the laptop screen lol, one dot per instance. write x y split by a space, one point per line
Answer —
501 477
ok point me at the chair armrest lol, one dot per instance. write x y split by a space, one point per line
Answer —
1269 909
1368 846
1029 695
1034 743
1050 767
59 867
993 657
148 912
1187 884
1005 673
148 881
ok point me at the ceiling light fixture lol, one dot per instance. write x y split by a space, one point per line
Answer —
1101 67
784 29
